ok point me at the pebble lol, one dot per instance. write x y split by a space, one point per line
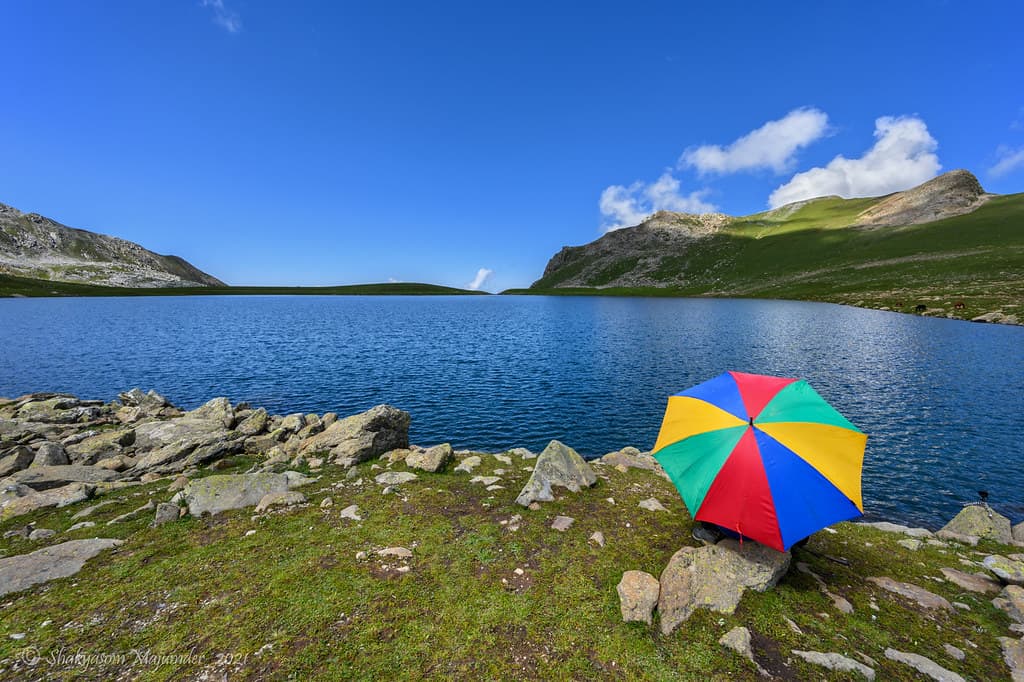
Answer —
597 538
250 532
562 523
351 512
326 503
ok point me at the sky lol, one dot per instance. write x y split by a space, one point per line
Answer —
464 143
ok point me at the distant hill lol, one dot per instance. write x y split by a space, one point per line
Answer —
36 247
946 245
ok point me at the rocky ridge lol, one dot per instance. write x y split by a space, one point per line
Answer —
35 246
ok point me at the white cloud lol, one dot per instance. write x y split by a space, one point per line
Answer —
227 19
626 206
482 276
772 146
903 156
1009 160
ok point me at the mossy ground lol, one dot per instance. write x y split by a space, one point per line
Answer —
293 602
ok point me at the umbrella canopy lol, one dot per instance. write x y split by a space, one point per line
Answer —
763 456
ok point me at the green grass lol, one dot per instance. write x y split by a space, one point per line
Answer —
977 259
23 286
294 602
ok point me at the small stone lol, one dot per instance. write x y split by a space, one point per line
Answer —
430 460
834 661
504 459
962 606
923 665
492 488
177 484
18 636
534 506
958 654
921 596
395 477
41 534
975 582
468 464
280 499
400 552
638 595
485 480
793 626
351 512
738 640
562 523
597 537
326 503
652 504
912 544
250 532
519 571
1007 570
165 513
81 524
360 556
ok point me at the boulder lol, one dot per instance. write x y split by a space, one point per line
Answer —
254 424
631 458
558 465
363 436
45 478
293 422
914 593
17 459
975 582
638 595
1011 600
148 403
58 410
215 494
217 410
158 434
50 454
165 513
280 499
982 521
923 665
49 563
1017 532
1013 656
1010 571
432 459
100 446
834 661
715 577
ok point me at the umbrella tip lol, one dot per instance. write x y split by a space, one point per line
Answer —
751 421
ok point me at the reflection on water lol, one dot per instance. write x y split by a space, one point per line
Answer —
941 400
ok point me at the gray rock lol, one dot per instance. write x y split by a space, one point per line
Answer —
558 465
88 511
254 424
432 459
923 665
100 446
216 410
597 537
1011 600
351 512
293 423
400 552
468 464
79 525
975 582
133 514
287 498
485 480
954 652
652 504
49 454
149 404
165 513
1007 570
714 577
297 480
913 544
18 459
522 453
981 521
47 477
738 640
631 458
49 563
834 661
115 463
395 477
1013 655
887 527
562 523
41 534
363 436
914 593
944 534
18 499
152 435
215 494
638 595
1017 532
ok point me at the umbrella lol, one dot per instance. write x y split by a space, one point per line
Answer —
763 456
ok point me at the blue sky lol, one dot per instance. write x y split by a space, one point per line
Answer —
334 142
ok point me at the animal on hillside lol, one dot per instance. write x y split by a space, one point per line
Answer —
920 308
959 305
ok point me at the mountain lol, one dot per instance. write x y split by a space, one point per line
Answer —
946 245
37 247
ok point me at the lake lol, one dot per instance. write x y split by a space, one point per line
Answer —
941 400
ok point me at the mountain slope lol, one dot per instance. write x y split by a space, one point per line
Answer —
37 247
941 244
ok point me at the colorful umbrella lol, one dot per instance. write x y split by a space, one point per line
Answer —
763 456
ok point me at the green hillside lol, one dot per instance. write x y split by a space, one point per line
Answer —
813 253
22 286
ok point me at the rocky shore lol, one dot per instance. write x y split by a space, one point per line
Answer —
329 545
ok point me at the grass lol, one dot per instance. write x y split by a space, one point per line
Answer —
26 287
975 259
292 601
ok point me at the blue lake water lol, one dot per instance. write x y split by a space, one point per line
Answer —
942 401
